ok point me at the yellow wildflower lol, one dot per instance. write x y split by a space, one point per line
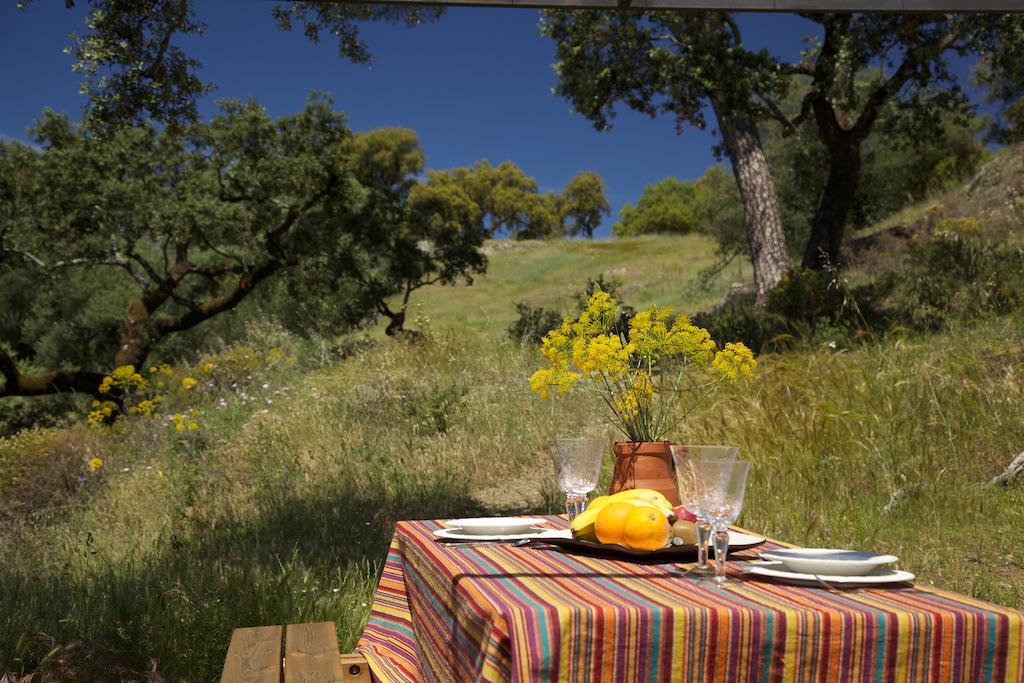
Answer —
692 342
599 315
192 426
101 413
734 360
640 394
649 333
625 405
122 377
95 464
188 383
603 354
553 347
145 408
208 367
542 381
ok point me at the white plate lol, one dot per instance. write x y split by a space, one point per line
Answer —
829 561
457 535
878 577
493 525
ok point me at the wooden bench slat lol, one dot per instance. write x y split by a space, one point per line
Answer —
311 653
254 656
354 668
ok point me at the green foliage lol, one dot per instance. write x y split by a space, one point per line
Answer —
509 203
677 64
1009 130
177 227
533 322
667 62
582 204
898 167
955 276
135 69
719 209
896 172
805 295
340 21
668 206
736 317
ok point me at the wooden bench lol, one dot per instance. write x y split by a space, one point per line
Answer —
310 656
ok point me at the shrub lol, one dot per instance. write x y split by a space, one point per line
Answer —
806 295
738 318
954 275
533 322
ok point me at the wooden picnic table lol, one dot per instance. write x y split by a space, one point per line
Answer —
502 613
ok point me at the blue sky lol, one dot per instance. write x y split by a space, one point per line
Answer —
475 85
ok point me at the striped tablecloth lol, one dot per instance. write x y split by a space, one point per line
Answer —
498 613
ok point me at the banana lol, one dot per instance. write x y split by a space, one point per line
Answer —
649 496
583 525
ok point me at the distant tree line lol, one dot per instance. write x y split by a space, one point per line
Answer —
896 171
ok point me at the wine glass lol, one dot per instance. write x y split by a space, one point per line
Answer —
687 488
577 462
720 485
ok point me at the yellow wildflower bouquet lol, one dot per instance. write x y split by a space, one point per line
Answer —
641 374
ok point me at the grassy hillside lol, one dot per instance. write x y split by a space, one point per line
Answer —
280 506
658 269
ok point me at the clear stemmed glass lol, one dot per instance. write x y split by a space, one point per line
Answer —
577 465
687 488
720 485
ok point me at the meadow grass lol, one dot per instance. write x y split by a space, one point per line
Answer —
285 515
653 269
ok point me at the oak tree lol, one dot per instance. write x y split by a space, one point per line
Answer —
170 228
134 68
678 63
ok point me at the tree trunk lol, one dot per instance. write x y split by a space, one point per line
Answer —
396 325
761 216
836 200
16 384
137 340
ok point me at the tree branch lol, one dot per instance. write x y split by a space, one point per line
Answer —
16 384
1011 472
798 69
914 59
167 324
775 112
9 369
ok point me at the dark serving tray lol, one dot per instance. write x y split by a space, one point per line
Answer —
675 553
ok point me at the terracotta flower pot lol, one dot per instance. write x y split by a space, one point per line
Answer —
645 465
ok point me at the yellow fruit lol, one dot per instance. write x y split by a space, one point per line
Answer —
649 496
610 524
646 528
583 525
